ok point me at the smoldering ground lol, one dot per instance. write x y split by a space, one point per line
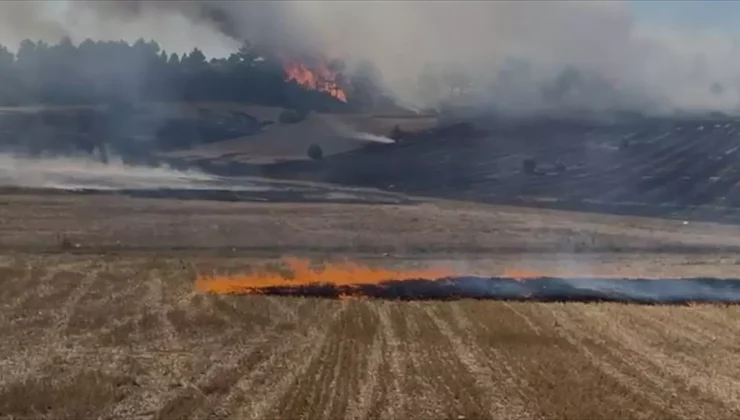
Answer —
545 289
350 279
516 55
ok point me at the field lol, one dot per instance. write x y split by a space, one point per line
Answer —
218 132
683 167
100 318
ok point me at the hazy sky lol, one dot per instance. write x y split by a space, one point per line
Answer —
680 54
714 15
723 15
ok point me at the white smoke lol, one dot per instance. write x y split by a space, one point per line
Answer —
373 137
79 173
345 130
620 63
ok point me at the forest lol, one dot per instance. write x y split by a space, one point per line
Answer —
105 72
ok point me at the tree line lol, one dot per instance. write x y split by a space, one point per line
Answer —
104 72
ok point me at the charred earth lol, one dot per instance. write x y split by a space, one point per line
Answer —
658 166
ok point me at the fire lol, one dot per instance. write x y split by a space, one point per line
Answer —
302 274
347 281
319 77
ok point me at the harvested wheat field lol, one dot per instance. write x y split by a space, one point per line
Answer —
109 324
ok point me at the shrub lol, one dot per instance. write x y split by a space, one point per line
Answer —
315 152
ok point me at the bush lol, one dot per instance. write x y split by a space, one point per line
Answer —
290 116
315 152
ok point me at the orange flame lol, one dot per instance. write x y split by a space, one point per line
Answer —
338 274
320 77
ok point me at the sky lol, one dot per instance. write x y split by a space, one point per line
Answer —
714 14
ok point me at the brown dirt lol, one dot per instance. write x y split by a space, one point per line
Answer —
112 328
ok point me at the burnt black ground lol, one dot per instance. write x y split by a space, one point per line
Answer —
685 168
545 289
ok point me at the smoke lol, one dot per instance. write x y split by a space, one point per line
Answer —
372 137
519 56
345 130
347 279
545 289
174 25
79 173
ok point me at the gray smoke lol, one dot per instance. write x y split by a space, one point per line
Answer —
83 173
520 56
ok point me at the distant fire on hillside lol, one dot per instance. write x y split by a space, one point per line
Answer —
316 76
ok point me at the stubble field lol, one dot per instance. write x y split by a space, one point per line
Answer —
107 324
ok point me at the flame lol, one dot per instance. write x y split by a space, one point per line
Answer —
349 281
319 77
336 274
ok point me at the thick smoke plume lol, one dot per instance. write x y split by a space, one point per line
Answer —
517 56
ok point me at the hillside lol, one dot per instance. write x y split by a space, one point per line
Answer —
649 166
335 133
184 132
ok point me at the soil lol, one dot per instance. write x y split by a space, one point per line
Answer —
100 318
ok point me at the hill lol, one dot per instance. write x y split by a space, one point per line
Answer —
657 166
156 132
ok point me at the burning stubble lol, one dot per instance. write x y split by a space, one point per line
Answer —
352 280
301 274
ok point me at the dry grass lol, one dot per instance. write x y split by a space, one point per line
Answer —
280 142
127 337
435 229
114 329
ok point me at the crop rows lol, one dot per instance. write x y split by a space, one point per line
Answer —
678 163
126 337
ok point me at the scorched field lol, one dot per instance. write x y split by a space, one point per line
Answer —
101 316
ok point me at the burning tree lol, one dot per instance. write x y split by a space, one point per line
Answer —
96 72
322 75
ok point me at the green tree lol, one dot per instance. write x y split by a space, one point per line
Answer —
26 56
7 58
174 60
195 60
